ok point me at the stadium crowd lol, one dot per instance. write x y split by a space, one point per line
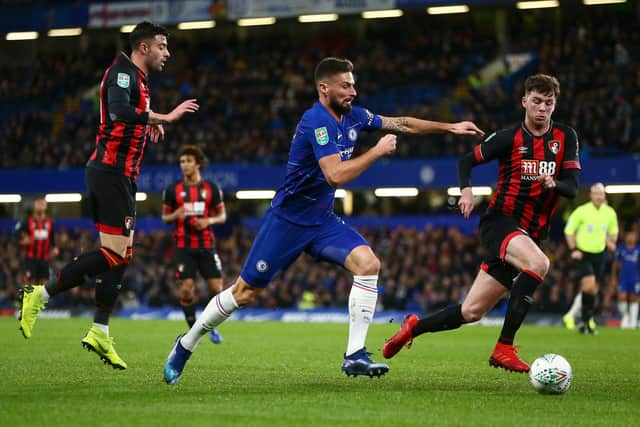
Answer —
422 271
253 89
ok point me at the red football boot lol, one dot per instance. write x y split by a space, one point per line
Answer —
505 356
401 338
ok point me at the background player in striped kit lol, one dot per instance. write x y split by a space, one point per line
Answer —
194 205
538 162
36 237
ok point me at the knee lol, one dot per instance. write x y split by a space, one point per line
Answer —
589 285
186 289
245 294
539 265
120 249
370 265
472 313
114 256
215 285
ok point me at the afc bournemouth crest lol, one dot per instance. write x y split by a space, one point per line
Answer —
554 146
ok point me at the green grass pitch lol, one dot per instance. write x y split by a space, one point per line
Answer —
281 374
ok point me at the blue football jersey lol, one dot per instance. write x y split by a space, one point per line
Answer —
306 197
628 258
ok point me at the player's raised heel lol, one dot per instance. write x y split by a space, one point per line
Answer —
32 305
102 344
403 337
175 362
359 363
505 356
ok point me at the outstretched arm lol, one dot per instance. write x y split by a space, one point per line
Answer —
411 125
188 106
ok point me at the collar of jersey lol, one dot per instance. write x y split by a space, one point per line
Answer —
524 128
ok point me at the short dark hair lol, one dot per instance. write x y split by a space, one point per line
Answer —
543 83
193 150
331 66
144 31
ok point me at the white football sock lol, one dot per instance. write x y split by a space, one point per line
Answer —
103 328
623 309
633 314
362 305
217 311
45 295
576 307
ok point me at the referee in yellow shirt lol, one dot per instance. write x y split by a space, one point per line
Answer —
591 228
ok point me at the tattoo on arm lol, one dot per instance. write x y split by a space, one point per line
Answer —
154 121
396 124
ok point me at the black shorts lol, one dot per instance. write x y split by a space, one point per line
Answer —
190 261
590 265
35 269
112 201
496 231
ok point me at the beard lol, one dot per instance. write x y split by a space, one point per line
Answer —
338 108
155 65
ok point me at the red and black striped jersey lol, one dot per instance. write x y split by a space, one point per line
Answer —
124 113
201 200
40 234
522 157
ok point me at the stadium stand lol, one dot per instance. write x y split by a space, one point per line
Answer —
252 89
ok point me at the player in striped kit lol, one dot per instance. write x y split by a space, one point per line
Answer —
537 163
127 123
36 237
194 205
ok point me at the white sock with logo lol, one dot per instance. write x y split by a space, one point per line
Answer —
576 307
633 314
103 328
217 311
362 305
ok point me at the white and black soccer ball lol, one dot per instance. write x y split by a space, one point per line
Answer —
551 374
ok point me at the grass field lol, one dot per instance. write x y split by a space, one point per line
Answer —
278 374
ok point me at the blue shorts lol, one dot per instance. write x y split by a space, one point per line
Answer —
279 242
628 284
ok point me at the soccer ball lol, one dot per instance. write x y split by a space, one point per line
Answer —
551 374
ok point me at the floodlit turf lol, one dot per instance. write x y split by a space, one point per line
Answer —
278 374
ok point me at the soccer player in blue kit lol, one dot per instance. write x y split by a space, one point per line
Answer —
301 217
628 264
